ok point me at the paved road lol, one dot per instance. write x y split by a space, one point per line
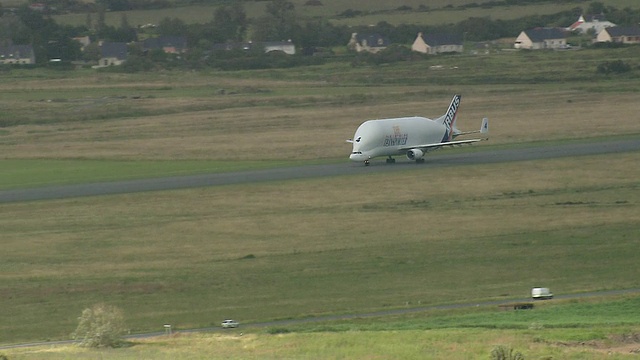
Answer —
434 161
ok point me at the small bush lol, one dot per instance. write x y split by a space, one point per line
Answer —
505 353
617 67
100 326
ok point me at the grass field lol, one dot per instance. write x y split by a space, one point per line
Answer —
611 333
339 245
375 11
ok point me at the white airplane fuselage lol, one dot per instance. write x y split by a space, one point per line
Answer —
390 137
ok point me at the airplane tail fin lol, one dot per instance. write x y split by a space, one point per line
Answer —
484 128
449 118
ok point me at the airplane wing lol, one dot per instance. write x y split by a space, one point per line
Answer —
440 145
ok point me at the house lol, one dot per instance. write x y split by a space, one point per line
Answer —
620 34
437 43
541 38
168 44
585 23
286 47
17 54
372 43
112 54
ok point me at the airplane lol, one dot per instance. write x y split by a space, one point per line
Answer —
412 136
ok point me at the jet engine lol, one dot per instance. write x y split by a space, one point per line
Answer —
414 154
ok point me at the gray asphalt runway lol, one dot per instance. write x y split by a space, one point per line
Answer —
433 161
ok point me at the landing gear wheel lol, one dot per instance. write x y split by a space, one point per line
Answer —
391 160
420 161
366 162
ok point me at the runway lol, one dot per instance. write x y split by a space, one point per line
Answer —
433 161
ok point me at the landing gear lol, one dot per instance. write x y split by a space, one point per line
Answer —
367 163
420 161
391 160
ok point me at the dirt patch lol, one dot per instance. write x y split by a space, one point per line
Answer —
615 343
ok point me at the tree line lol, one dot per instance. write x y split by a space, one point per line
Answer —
230 23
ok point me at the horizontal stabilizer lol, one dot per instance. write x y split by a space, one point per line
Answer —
484 129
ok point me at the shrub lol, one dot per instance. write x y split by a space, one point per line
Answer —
100 326
505 353
617 67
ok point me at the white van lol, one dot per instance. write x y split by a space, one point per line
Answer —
540 293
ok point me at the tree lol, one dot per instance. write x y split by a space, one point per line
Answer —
101 22
89 21
101 325
126 33
63 47
283 14
13 30
115 5
321 33
47 38
231 22
478 28
596 7
279 24
172 27
92 52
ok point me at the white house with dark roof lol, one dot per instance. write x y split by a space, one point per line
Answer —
437 43
372 43
17 54
620 34
542 38
112 54
597 23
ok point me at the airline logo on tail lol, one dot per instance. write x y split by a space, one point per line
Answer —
450 118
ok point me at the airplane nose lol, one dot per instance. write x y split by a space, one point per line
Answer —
357 156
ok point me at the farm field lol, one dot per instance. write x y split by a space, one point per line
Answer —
374 12
302 248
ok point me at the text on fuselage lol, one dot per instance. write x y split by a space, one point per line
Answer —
398 138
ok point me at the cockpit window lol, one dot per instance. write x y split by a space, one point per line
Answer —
359 138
